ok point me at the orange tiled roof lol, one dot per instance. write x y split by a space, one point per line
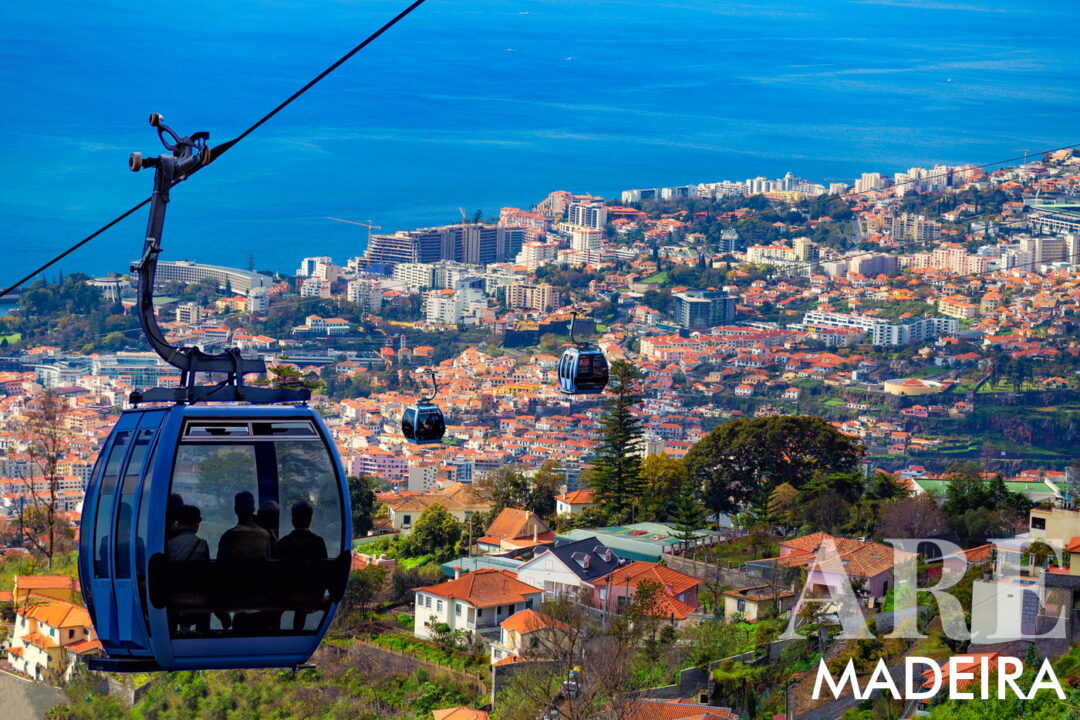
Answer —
36 638
43 582
484 588
577 497
528 620
514 523
84 646
57 613
509 660
672 581
459 713
656 709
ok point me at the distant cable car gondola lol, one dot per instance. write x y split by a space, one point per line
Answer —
423 423
211 537
583 369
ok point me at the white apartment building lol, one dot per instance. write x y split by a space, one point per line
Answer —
870 181
420 276
258 301
592 214
586 241
367 293
535 254
881 331
308 265
315 287
533 297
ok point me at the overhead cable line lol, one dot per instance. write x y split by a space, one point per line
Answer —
221 149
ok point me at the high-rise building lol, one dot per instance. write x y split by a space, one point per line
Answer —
872 265
258 301
590 214
476 244
870 181
535 254
420 276
367 293
308 265
704 308
187 313
541 296
805 249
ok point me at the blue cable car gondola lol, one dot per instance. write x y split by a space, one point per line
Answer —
211 536
423 423
583 369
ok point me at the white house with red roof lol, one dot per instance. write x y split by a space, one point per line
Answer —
529 634
572 503
475 602
49 637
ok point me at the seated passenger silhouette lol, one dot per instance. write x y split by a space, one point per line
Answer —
244 541
268 518
303 545
186 546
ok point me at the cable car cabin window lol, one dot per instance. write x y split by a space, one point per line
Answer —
432 423
592 366
213 431
256 534
408 423
128 490
106 491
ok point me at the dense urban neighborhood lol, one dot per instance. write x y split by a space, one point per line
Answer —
802 375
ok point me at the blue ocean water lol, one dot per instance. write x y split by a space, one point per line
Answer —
485 103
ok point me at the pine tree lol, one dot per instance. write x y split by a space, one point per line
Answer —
616 477
688 515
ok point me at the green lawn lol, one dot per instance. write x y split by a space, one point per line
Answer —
735 551
660 277
12 337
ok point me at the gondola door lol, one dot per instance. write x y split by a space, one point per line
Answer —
129 550
96 535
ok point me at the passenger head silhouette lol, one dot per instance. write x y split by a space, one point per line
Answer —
301 515
244 505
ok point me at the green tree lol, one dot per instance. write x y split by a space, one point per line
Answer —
687 514
544 485
510 487
782 504
362 502
359 596
741 461
616 477
664 478
436 532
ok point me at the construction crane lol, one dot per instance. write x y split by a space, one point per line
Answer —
368 225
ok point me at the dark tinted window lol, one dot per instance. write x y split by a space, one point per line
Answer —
288 429
432 425
106 494
408 423
257 559
217 430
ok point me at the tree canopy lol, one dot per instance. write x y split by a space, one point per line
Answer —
740 462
